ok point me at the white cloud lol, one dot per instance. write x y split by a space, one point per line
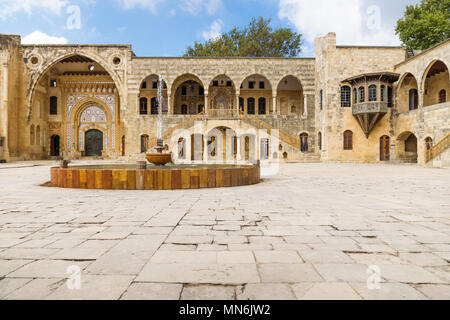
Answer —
10 7
196 7
38 37
147 4
354 21
215 30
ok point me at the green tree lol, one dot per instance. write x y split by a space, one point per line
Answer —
425 25
257 39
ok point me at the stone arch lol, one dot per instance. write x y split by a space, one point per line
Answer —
290 96
221 96
407 147
193 100
435 78
81 128
37 77
406 84
250 89
222 144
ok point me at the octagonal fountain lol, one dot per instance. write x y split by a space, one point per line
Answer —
161 175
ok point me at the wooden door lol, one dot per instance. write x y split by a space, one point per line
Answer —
385 148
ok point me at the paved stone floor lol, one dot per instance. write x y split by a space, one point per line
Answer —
315 231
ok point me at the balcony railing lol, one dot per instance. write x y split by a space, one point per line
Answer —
370 107
222 114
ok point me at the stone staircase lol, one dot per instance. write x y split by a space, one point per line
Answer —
440 150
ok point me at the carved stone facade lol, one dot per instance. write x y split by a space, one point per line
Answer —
69 91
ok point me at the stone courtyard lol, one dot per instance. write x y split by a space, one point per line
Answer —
314 231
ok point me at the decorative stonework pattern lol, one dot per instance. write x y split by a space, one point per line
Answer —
69 137
93 114
110 101
72 101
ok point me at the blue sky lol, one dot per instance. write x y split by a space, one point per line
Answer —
166 27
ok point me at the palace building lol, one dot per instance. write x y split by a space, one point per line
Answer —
348 103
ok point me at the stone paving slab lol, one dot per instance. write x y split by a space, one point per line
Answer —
314 231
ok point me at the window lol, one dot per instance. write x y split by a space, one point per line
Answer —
262 106
355 96
154 106
38 135
184 109
229 84
144 85
251 84
362 94
241 105
320 141
32 134
53 83
215 83
251 106
155 85
383 93
144 143
304 142
428 143
53 105
442 96
143 109
413 99
262 85
200 108
183 91
372 93
321 99
346 93
390 95
181 148
348 140
201 91
293 109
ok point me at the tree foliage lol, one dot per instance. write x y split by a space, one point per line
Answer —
425 25
258 39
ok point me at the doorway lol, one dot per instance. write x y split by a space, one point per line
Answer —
54 146
94 143
385 148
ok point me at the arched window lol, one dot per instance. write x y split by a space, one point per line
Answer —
38 135
144 143
181 148
154 106
346 93
319 142
442 96
383 93
32 134
390 95
143 108
251 106
362 94
372 93
262 105
241 105
413 99
304 142
348 140
428 143
53 105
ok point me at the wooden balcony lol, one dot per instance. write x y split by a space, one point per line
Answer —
370 107
368 114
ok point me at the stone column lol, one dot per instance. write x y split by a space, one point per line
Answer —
205 148
206 103
237 103
169 103
238 148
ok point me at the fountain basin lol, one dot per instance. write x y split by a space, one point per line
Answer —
172 177
159 159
